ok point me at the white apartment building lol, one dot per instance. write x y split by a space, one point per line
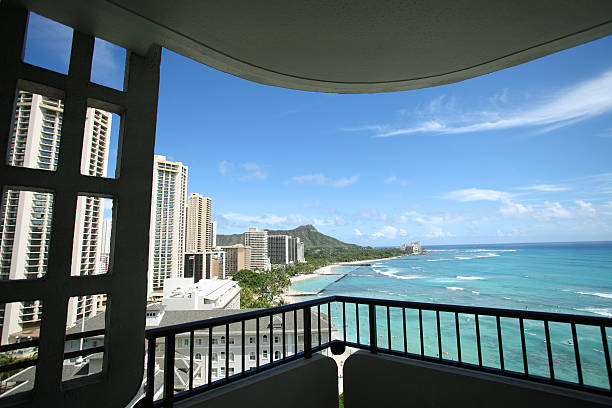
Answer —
199 226
258 241
270 348
26 216
206 294
167 232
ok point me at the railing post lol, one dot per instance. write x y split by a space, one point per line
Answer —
169 370
372 318
307 332
150 370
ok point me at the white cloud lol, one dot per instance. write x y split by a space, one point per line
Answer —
437 232
500 97
387 232
517 210
395 179
586 209
546 187
252 171
357 232
242 171
476 194
268 219
554 210
321 179
224 167
585 100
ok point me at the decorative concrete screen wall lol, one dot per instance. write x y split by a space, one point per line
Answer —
130 190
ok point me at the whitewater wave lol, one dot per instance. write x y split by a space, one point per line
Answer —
454 288
470 277
475 292
436 260
600 311
393 274
602 295
463 258
490 250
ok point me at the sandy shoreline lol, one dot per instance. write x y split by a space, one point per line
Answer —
325 270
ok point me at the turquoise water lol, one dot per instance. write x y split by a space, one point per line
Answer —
571 278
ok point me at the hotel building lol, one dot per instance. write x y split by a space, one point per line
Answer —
237 257
26 216
167 232
199 225
258 241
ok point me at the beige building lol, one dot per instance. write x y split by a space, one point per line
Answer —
258 241
237 257
167 232
199 225
25 217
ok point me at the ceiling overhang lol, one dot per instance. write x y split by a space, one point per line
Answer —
343 46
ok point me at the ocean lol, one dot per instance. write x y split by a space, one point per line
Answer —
573 278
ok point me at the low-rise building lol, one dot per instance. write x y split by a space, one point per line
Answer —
206 294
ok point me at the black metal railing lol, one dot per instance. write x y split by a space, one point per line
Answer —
29 362
489 349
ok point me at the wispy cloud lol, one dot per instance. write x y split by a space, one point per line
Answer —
242 171
583 101
321 179
389 232
546 187
357 232
252 171
476 194
108 64
290 220
396 180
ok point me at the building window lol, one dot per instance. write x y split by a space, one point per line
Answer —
231 371
251 340
222 371
199 342
264 354
264 339
222 339
222 355
277 355
186 342
231 340
214 373
252 356
198 356
276 339
215 357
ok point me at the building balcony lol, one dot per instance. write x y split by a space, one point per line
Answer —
379 353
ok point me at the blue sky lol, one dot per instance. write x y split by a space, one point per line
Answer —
519 155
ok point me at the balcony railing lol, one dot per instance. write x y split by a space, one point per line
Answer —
367 324
568 351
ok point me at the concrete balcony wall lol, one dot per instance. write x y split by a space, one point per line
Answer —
303 383
375 380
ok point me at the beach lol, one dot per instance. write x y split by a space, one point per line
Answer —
289 295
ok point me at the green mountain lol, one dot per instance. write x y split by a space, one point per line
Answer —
307 233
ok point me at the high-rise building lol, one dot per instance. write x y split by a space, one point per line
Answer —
107 224
300 252
199 226
195 266
25 217
237 257
214 234
278 249
258 241
167 232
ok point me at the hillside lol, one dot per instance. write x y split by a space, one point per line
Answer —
307 233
